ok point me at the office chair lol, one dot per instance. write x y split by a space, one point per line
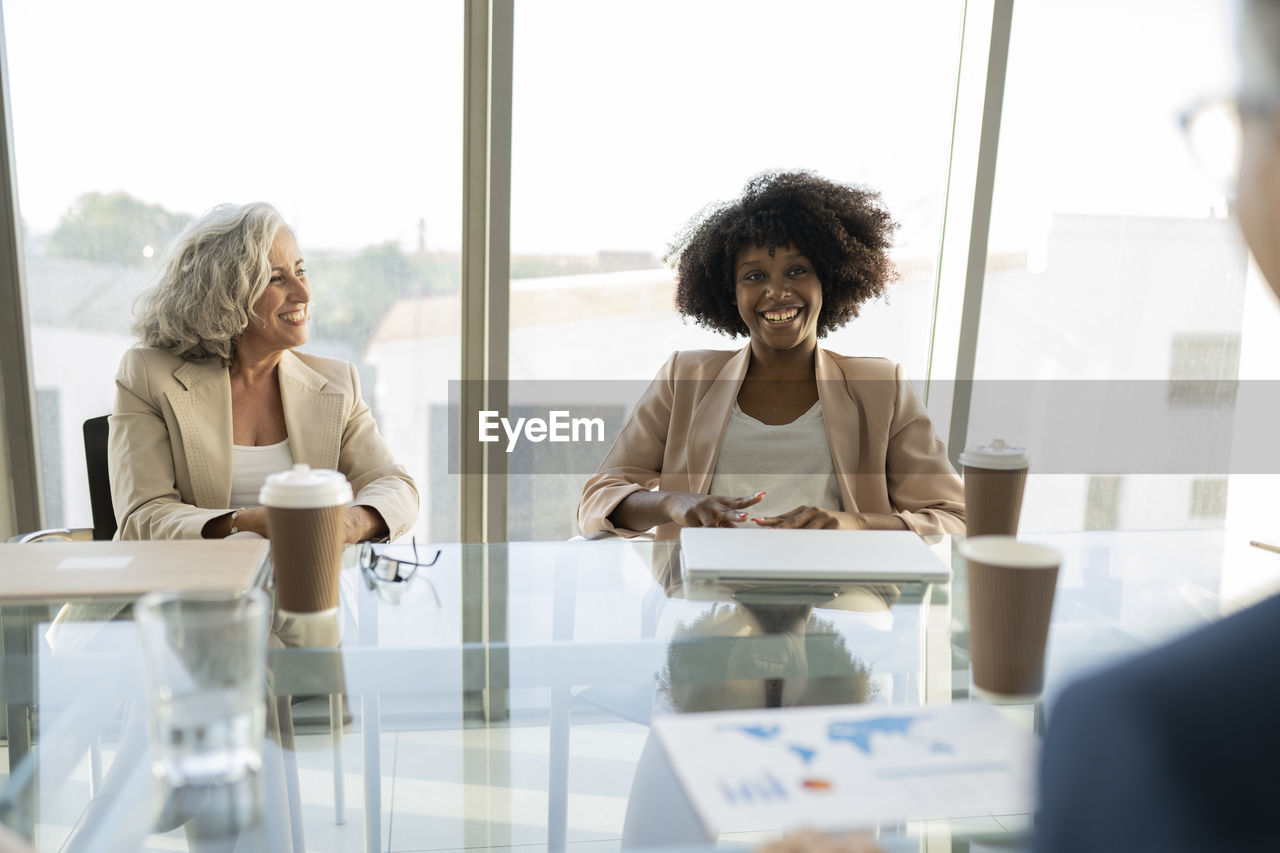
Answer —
95 462
104 517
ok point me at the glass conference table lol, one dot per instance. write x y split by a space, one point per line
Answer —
503 697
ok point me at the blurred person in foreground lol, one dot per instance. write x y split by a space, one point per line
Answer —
1178 749
216 397
801 436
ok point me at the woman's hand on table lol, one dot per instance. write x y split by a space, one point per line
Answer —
363 523
819 518
359 523
690 510
249 520
642 510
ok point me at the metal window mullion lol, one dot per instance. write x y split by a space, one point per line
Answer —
16 384
498 290
980 225
485 262
485 300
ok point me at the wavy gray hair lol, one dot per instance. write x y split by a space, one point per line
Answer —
204 296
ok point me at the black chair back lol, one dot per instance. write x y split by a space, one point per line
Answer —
95 458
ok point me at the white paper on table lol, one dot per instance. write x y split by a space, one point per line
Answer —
848 767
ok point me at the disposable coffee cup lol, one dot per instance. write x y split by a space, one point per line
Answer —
1011 587
995 476
305 509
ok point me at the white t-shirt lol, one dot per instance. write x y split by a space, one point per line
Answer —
791 463
250 467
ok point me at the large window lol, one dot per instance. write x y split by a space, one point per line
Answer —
144 114
1113 267
1111 260
627 121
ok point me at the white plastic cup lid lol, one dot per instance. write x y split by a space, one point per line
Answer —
996 456
1008 552
304 487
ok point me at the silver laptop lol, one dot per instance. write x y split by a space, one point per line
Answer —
744 557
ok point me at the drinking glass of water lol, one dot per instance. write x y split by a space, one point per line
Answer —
204 658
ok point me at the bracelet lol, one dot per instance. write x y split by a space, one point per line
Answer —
234 516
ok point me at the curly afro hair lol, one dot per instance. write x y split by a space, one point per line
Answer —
845 231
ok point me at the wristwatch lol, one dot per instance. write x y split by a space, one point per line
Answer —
235 515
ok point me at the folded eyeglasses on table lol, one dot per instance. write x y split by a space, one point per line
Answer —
389 574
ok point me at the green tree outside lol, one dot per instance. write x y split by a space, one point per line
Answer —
353 292
115 228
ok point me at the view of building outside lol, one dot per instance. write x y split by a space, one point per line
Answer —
1112 265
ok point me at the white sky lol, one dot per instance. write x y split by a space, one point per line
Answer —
628 117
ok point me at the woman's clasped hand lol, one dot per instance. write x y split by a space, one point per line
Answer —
690 510
821 518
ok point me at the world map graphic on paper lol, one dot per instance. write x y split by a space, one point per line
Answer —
842 767
860 732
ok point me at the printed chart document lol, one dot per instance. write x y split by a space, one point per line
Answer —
847 767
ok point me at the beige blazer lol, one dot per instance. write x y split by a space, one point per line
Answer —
170 441
887 458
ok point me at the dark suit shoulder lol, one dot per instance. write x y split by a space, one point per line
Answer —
1219 653
1145 747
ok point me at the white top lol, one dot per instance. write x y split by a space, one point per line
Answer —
791 463
250 467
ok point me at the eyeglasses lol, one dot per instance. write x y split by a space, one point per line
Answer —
385 573
1214 130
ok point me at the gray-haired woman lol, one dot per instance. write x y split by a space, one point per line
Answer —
215 398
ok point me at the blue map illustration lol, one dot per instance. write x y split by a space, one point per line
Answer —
760 732
860 732
768 733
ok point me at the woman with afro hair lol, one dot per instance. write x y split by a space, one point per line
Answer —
780 433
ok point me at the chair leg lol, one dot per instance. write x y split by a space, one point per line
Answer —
288 752
335 730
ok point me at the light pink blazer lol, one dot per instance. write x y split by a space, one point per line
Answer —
886 456
170 441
